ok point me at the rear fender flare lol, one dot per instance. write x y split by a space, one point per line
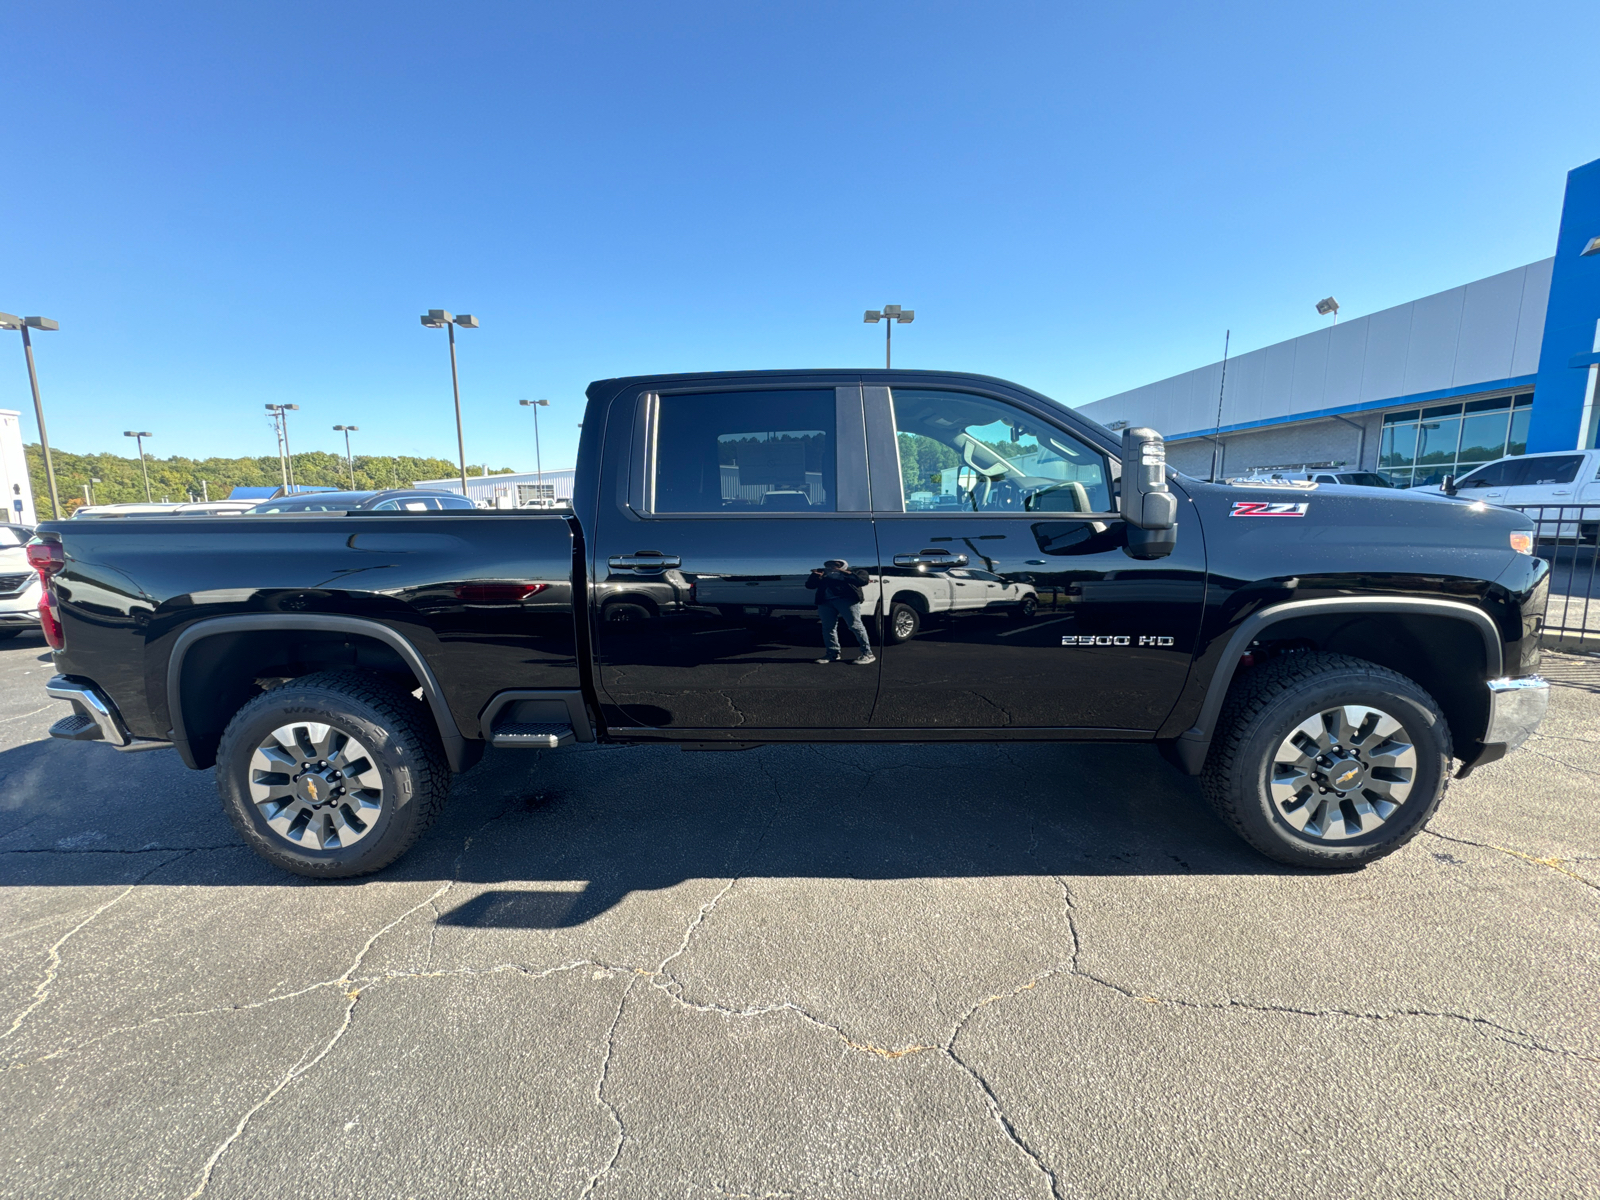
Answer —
455 745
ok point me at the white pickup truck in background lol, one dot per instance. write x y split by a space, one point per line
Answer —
1550 479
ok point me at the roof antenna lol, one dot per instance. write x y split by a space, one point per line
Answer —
1216 446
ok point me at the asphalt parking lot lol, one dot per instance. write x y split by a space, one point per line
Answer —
1002 971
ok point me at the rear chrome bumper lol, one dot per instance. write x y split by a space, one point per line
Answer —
94 717
1516 706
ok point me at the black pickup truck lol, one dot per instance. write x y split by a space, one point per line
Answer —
1321 658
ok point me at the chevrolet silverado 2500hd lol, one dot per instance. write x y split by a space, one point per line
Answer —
1323 659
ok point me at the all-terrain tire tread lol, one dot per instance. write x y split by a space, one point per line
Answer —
400 713
1253 692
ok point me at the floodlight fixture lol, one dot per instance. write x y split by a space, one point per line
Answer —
41 323
1330 305
7 321
893 314
1592 248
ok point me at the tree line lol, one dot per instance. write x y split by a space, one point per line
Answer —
177 478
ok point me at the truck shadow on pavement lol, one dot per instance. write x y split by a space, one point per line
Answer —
551 840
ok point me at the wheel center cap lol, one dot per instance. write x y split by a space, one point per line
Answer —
313 788
1346 775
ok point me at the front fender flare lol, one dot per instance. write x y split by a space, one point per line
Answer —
1188 751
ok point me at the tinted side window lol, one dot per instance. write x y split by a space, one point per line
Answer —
757 452
971 453
1498 474
1562 469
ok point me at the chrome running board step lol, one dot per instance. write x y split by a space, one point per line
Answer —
536 735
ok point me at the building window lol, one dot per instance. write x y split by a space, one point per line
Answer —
1421 446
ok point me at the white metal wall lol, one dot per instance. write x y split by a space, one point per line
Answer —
14 481
487 487
1479 333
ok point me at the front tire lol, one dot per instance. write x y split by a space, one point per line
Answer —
332 775
1327 761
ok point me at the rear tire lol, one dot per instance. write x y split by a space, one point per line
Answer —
902 624
625 610
1298 728
8 634
333 774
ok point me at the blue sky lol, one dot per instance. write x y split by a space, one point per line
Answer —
226 205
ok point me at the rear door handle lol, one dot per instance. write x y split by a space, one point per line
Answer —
653 559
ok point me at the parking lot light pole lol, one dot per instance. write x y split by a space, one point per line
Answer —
538 457
139 438
891 314
349 462
280 417
437 318
23 324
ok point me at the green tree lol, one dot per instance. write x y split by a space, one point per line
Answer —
178 478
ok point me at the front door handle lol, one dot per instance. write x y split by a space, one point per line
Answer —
649 559
930 558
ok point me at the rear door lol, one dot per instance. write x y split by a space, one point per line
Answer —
997 489
1546 479
734 495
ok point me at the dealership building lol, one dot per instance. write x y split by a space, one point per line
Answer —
1503 365
523 489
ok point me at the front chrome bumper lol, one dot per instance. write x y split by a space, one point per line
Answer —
1516 706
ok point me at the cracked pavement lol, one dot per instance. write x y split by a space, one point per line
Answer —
946 971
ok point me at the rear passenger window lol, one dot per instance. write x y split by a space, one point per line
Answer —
756 452
1562 469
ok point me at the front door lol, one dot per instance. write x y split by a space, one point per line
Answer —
704 619
998 530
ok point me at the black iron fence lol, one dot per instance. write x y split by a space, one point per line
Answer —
1565 536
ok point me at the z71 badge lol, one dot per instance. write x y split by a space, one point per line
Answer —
1263 508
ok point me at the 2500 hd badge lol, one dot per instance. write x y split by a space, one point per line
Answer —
1101 639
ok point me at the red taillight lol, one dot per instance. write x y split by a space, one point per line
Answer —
50 623
46 557
498 593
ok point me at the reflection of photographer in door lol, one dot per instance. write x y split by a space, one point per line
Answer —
839 596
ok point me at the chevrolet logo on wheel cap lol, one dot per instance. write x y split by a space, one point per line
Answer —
1341 781
311 789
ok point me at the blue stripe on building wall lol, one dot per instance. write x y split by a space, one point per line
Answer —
1416 398
1569 324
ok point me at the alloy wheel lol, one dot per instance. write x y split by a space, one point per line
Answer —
1343 772
905 624
316 787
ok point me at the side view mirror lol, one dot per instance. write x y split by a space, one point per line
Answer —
1148 506
1448 485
